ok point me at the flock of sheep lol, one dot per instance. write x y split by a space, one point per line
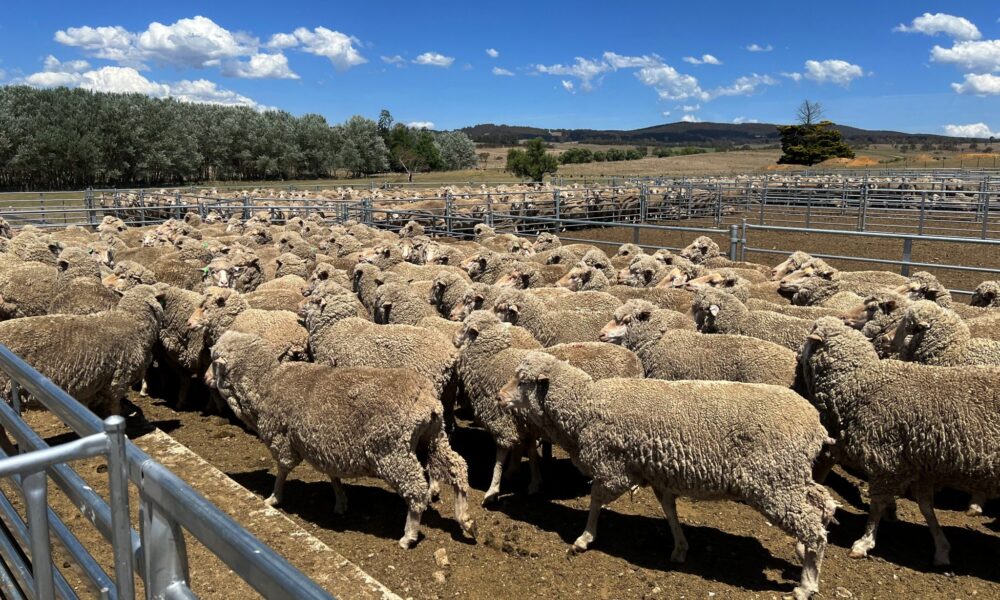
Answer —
351 348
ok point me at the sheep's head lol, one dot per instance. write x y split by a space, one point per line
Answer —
706 307
874 305
626 315
577 278
680 273
5 230
291 264
365 274
474 324
322 272
381 255
546 241
475 265
920 317
665 256
518 277
143 299
506 307
482 231
700 250
127 275
527 389
521 247
411 229
792 263
217 310
628 250
987 295
641 272
816 268
473 299
724 280
230 351
923 286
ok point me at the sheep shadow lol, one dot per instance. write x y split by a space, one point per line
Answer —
370 510
909 544
646 542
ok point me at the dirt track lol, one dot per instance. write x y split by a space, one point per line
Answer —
522 544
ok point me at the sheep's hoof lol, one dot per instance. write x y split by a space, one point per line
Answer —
534 487
407 542
339 508
490 498
579 546
679 555
857 552
942 560
974 510
469 529
801 593
273 501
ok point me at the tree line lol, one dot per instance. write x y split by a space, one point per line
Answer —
72 138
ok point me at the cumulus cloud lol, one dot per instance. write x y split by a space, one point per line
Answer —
972 130
981 56
420 125
670 84
759 48
666 113
742 120
395 59
745 85
434 59
690 107
690 119
261 66
492 52
839 72
110 43
706 59
583 69
980 85
54 65
280 41
196 42
568 85
618 61
337 47
793 76
957 28
502 72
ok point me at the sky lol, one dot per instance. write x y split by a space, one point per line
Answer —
918 67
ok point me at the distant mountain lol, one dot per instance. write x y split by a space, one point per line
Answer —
681 133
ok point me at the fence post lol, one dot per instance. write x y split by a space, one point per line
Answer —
41 206
447 212
643 203
743 239
763 198
35 486
718 204
489 209
246 206
88 203
177 205
734 242
863 206
985 185
808 210
904 269
121 528
163 549
557 205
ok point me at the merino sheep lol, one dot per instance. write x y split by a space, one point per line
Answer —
726 280
644 271
550 327
670 348
224 309
986 295
906 425
933 335
345 422
878 317
396 303
700 250
794 261
715 439
718 312
94 358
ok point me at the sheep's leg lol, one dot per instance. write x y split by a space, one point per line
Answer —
669 503
447 465
599 496
925 500
144 390
285 460
339 496
876 507
279 487
976 505
535 484
182 391
494 491
403 471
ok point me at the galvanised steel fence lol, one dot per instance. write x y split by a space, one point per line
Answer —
168 507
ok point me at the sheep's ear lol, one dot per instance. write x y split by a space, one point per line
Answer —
513 308
644 314
814 337
889 305
647 275
525 279
714 309
478 297
220 301
586 275
386 251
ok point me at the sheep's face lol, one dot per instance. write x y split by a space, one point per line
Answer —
472 300
792 282
507 311
628 250
663 255
987 295
792 263
546 241
922 286
482 230
639 274
700 250
433 254
597 261
475 266
918 319
617 328
577 278
527 389
518 279
706 311
676 277
719 281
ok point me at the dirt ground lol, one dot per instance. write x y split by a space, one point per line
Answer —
522 541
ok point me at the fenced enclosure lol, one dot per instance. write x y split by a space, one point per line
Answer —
168 508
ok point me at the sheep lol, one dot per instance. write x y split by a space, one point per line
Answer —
82 296
713 439
933 335
411 229
906 425
878 317
986 295
396 304
274 299
546 241
345 422
185 350
240 270
599 260
437 253
383 255
987 326
794 261
128 274
667 344
447 291
526 275
643 271
27 289
718 312
700 250
549 326
824 281
488 358
487 266
723 279
925 286
94 358
38 248
292 264
803 312
224 309
583 277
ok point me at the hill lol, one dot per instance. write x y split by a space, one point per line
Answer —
681 133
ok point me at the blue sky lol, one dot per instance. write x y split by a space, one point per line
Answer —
623 65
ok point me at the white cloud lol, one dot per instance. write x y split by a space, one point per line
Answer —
972 130
741 120
982 85
690 119
583 69
759 48
395 59
745 85
492 52
706 59
129 80
835 71
793 76
666 113
111 43
197 42
334 45
568 85
434 59
261 66
503 72
280 41
691 107
671 85
54 65
957 28
980 56
420 125
618 61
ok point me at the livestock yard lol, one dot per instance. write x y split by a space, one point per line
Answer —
764 348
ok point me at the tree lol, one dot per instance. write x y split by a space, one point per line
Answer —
810 144
533 161
809 112
363 151
384 123
457 150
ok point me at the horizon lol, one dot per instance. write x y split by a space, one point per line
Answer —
915 69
